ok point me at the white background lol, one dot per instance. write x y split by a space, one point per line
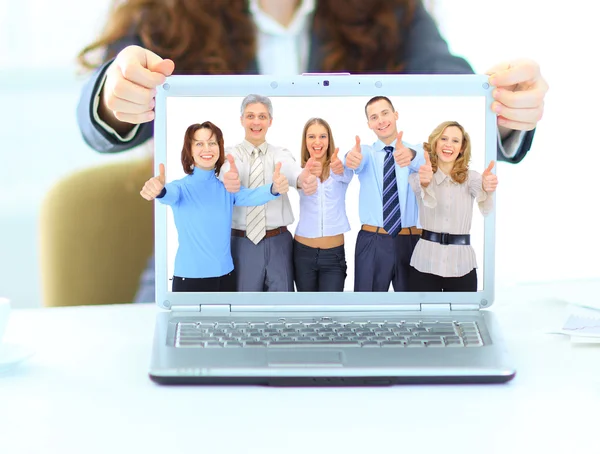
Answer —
546 205
417 117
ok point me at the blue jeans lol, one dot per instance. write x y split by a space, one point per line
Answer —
319 270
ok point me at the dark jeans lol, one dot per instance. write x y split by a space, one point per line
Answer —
319 270
426 282
226 283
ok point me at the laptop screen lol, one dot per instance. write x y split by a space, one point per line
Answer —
328 237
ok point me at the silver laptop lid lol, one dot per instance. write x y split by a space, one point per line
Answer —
422 102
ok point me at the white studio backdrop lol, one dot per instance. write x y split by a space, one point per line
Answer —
546 205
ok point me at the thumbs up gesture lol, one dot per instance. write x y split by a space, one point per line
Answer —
354 157
336 165
402 154
280 182
489 180
154 185
231 178
307 179
426 171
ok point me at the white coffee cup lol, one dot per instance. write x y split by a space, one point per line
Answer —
4 312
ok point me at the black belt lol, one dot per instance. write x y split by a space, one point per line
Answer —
446 238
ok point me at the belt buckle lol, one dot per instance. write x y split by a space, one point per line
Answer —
444 237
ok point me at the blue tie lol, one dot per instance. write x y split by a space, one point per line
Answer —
391 202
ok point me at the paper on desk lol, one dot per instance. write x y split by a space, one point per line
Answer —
583 325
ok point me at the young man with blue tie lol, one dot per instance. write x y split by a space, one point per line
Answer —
387 205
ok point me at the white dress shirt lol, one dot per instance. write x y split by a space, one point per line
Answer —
446 206
279 211
324 213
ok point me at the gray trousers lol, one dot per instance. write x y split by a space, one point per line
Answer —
266 266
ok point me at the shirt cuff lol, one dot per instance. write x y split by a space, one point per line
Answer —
511 143
104 125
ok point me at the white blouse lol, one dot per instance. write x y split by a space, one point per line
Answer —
324 212
446 206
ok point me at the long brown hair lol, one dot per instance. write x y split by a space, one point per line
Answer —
219 36
187 159
305 154
460 169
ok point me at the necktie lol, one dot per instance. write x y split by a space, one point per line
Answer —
391 202
256 220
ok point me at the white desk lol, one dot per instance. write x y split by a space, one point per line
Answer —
86 391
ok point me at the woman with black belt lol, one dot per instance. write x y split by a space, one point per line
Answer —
443 259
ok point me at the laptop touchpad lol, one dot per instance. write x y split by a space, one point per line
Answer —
301 358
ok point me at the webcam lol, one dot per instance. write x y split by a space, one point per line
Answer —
326 83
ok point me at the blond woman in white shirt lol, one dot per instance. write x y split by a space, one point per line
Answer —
319 257
443 259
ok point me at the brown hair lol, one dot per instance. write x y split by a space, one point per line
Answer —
219 37
305 154
187 159
460 169
374 99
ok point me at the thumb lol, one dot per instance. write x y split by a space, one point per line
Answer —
165 67
161 171
427 159
277 169
357 145
309 164
334 156
232 166
399 139
490 167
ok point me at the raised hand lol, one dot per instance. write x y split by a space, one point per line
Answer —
153 187
489 181
336 165
307 181
280 182
402 154
426 171
231 178
354 156
128 93
519 94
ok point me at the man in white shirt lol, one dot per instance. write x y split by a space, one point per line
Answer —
261 245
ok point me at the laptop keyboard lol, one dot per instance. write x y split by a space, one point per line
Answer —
327 333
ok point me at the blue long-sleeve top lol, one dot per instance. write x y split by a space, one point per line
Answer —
202 210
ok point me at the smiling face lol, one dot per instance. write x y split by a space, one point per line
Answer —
449 145
381 119
205 149
256 122
317 141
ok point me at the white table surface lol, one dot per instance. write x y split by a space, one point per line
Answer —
86 390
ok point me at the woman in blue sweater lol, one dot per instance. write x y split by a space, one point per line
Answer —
202 211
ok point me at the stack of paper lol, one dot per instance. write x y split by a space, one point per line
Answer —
583 325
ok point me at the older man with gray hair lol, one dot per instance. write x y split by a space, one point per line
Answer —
261 245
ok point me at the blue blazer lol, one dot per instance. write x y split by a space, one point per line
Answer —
426 52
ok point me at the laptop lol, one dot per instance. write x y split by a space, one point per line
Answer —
331 338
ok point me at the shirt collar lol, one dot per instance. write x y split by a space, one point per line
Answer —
202 174
379 145
266 24
249 148
441 176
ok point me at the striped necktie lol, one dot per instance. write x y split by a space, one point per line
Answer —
256 220
391 202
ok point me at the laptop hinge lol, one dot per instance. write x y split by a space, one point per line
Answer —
181 308
215 309
464 307
430 307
